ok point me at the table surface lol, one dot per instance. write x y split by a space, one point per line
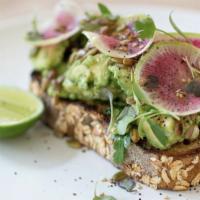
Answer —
14 8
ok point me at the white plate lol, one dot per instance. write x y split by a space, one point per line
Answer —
41 166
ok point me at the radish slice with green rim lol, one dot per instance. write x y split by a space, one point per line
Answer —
193 37
127 42
167 77
64 25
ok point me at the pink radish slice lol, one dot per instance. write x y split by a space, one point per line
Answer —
165 80
114 47
193 37
124 41
196 42
63 25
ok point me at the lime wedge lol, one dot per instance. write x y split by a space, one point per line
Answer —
19 110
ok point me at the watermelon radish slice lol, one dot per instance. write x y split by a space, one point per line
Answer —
63 25
122 42
193 37
167 77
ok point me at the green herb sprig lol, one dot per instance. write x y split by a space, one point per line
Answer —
145 27
176 28
105 11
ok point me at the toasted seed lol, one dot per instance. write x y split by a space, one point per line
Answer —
180 188
128 61
196 160
118 60
74 144
196 180
155 180
165 176
135 136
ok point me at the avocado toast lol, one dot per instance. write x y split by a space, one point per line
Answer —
126 89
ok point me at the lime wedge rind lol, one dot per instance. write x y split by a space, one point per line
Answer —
20 113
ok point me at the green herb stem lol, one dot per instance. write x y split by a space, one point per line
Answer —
166 33
176 28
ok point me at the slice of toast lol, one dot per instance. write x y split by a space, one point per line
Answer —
175 169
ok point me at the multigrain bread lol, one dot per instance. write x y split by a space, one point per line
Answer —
174 169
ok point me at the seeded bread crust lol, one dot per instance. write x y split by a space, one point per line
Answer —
174 169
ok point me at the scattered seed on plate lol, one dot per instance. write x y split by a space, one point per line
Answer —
48 148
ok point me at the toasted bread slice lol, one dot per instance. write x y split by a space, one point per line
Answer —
175 169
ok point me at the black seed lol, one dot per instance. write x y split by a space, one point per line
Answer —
152 82
186 142
48 148
83 150
193 87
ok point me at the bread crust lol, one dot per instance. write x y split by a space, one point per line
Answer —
174 169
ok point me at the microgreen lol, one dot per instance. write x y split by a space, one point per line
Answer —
34 34
107 94
127 141
176 28
119 148
104 10
145 27
166 33
124 119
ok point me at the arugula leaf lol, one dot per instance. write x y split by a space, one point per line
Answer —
145 27
176 28
104 10
118 156
127 116
104 197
